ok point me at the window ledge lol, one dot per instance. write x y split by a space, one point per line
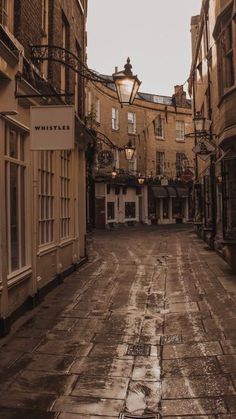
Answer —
45 249
19 276
160 138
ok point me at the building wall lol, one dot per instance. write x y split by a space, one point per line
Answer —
146 108
43 205
217 103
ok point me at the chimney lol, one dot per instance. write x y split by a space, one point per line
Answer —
179 95
116 69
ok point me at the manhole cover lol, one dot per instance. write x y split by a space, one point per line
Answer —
140 349
171 339
130 416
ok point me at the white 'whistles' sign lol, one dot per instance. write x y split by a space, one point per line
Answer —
52 127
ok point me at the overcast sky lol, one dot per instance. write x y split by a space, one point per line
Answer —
155 34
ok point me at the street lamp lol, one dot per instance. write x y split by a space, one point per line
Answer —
202 124
129 150
127 84
141 179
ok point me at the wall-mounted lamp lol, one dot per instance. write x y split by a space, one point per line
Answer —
141 179
127 84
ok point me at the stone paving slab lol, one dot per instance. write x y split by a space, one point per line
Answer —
191 367
88 406
156 286
197 386
192 350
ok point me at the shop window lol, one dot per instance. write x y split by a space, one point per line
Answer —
229 198
65 194
110 210
15 172
46 197
130 210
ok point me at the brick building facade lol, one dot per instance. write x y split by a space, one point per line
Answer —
156 126
43 193
212 83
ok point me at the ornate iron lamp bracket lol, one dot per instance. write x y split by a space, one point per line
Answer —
40 53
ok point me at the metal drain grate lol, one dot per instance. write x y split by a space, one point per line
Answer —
130 416
140 349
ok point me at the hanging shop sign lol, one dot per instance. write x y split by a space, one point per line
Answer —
105 157
204 149
52 127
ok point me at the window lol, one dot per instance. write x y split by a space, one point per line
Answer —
159 127
15 168
229 198
46 197
114 119
65 184
160 163
45 18
132 164
131 123
207 201
130 210
79 85
179 163
225 58
180 132
65 44
97 111
6 13
43 65
110 210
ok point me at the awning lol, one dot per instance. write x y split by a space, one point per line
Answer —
171 192
182 192
159 192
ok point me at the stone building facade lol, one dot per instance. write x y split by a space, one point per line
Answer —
213 87
155 186
43 193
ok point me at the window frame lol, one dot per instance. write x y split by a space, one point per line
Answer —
114 119
15 212
131 122
180 137
160 163
160 127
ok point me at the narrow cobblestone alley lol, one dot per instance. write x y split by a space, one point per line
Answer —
146 327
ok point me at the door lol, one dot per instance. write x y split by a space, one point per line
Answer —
100 216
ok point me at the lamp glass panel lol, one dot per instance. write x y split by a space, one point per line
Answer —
129 153
135 90
199 123
124 89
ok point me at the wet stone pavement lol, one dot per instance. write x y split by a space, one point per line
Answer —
147 327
